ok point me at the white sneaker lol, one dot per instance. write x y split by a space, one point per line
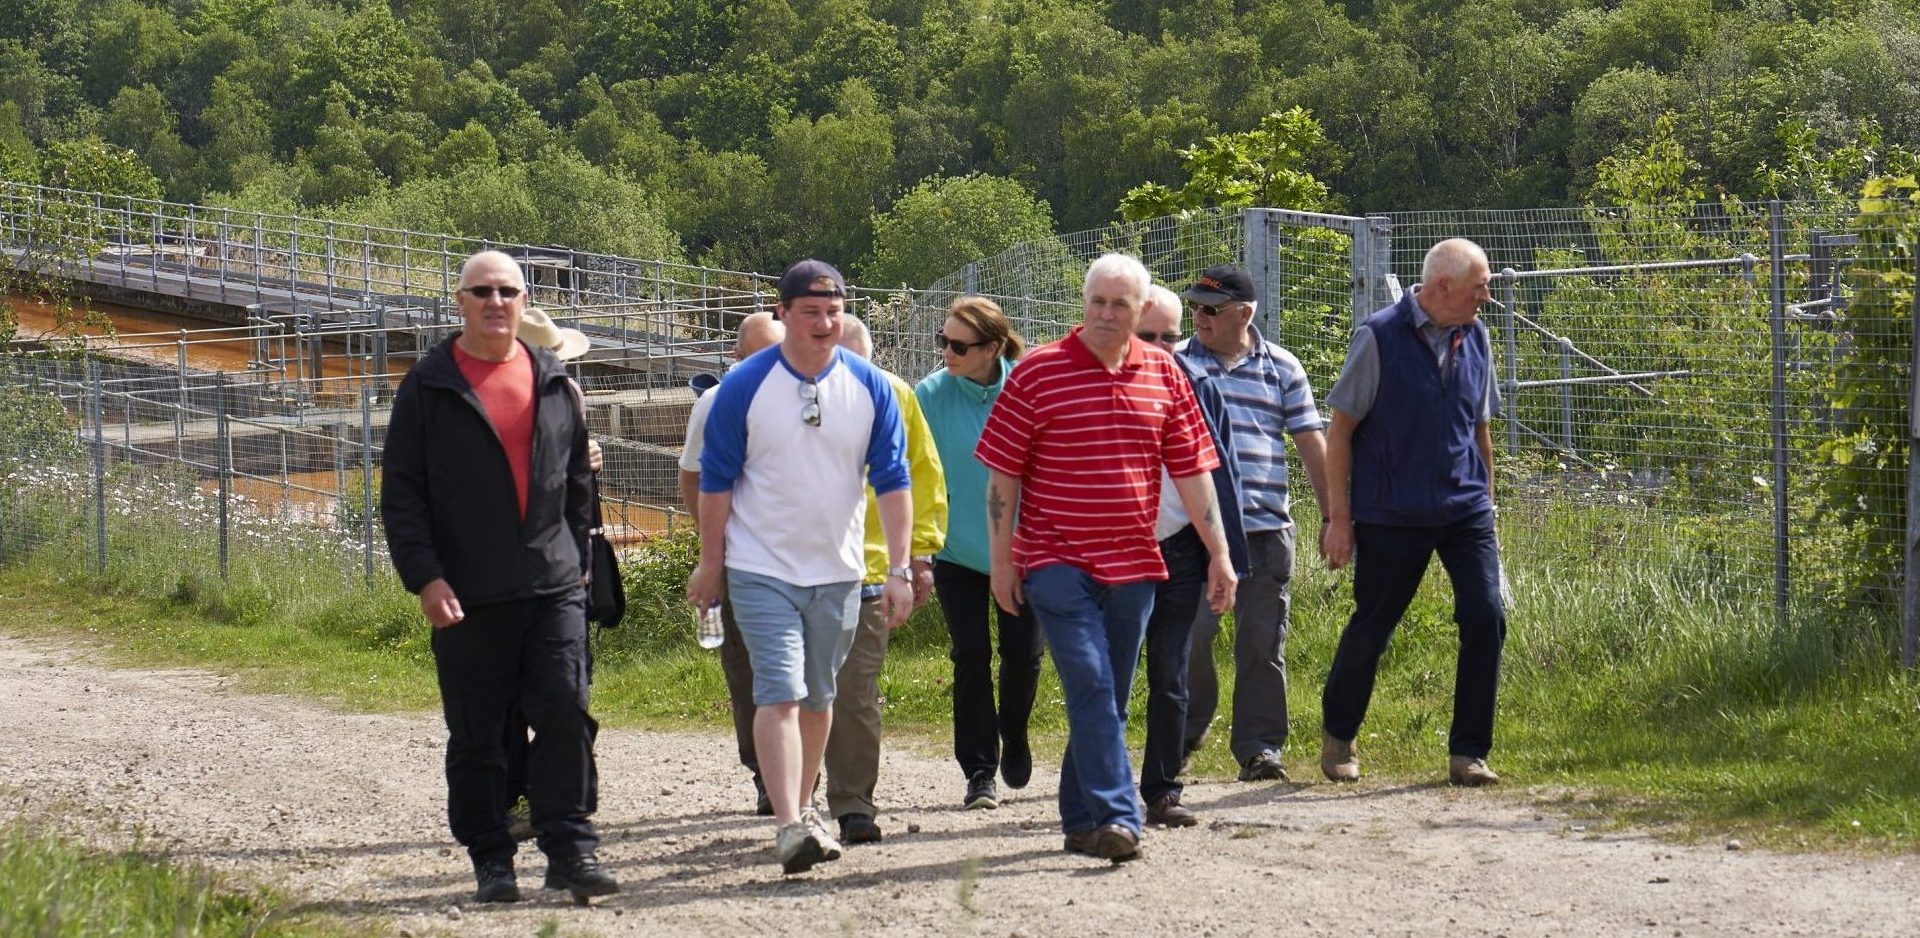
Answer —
797 847
829 845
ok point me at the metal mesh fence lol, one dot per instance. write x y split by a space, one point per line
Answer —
1683 387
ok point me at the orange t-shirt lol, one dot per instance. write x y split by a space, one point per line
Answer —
505 390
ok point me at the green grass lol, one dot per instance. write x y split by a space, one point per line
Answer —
1641 682
53 889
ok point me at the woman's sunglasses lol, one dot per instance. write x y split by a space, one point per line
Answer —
486 292
940 341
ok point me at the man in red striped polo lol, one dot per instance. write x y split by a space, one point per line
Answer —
1077 442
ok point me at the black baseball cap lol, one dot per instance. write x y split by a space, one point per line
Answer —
1221 283
803 279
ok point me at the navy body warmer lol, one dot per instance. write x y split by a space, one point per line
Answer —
1415 459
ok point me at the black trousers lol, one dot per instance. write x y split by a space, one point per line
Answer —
1388 564
533 653
966 599
1177 603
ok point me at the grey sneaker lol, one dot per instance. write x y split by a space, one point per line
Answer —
981 793
1470 772
1264 767
797 847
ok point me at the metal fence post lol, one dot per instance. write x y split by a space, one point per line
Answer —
366 484
1379 264
1777 325
1259 255
1510 340
1910 585
99 470
223 457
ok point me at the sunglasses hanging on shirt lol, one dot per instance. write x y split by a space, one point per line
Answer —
810 402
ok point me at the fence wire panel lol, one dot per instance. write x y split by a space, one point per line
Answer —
1644 436
1038 284
1638 352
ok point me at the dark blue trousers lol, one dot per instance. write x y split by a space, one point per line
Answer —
1388 564
1177 602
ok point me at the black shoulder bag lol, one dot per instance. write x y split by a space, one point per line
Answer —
606 594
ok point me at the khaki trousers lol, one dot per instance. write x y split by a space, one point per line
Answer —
853 747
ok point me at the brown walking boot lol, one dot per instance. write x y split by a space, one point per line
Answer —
1470 772
1338 761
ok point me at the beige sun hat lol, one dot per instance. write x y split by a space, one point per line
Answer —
539 329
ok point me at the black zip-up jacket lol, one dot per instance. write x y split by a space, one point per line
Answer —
447 497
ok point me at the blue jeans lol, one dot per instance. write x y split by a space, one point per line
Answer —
1388 563
1095 632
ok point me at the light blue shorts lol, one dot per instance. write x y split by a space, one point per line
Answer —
796 636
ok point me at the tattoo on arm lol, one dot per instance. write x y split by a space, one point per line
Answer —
996 507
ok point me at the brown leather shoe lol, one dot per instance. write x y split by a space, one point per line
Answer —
1338 760
1080 842
1169 812
1470 772
1116 842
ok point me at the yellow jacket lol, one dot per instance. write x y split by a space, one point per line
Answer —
929 489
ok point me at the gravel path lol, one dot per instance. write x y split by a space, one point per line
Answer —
344 811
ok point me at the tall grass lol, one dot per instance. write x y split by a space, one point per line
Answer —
53 889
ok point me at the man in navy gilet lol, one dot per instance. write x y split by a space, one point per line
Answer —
1410 474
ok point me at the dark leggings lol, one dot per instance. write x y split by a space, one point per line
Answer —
965 597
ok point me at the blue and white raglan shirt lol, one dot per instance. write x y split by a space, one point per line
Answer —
799 491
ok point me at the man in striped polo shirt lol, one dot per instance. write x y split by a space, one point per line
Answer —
1077 442
1268 399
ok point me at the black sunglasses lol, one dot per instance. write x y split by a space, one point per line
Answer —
486 291
941 341
1170 338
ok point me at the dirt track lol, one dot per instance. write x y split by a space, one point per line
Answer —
344 811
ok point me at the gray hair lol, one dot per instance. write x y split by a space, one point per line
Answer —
1160 297
1450 260
1123 266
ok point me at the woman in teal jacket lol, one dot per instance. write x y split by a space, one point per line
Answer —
980 348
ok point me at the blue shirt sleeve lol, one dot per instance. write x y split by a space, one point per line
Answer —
887 469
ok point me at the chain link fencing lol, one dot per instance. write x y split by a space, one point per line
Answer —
1714 396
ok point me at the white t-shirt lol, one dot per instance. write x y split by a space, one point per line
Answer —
799 489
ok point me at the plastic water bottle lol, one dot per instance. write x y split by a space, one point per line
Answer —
707 629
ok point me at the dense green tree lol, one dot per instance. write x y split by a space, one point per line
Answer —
141 120
725 208
129 43
944 224
19 160
364 63
1270 167
337 166
832 175
650 38
93 165
240 137
464 149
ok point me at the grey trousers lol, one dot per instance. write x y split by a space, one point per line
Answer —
1260 612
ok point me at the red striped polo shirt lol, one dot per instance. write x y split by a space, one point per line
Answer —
1087 445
